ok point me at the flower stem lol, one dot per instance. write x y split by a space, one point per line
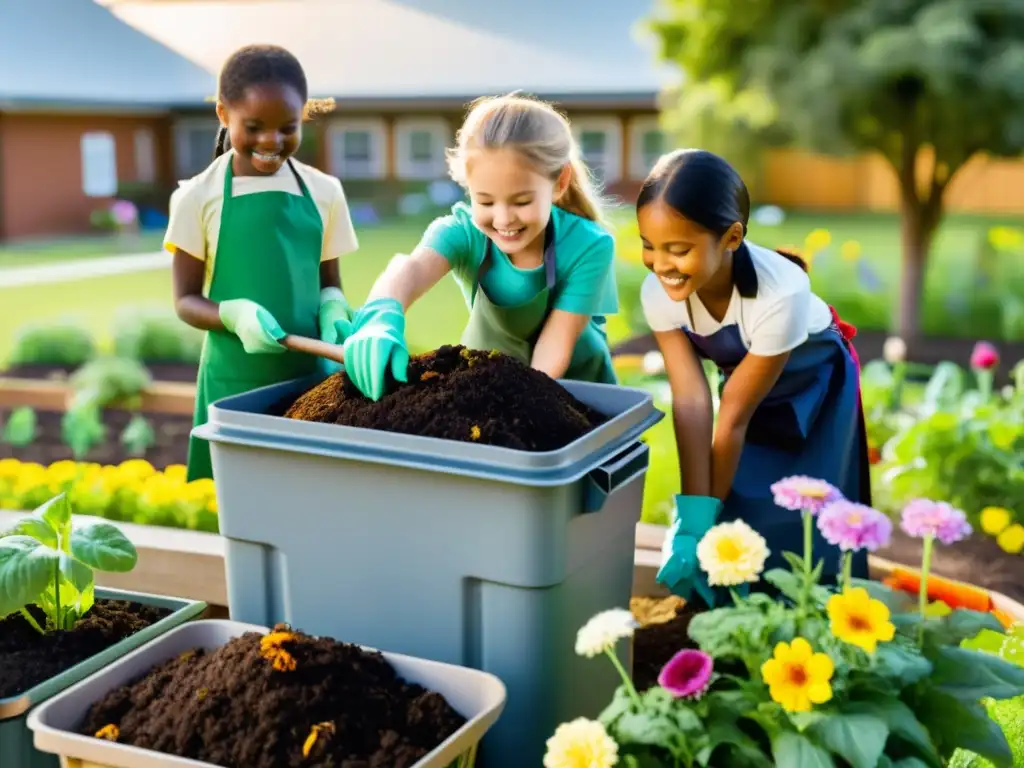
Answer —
808 558
847 570
32 622
626 681
922 592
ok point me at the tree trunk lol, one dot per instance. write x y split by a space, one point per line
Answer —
916 237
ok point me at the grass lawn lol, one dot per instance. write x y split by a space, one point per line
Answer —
42 252
439 316
94 303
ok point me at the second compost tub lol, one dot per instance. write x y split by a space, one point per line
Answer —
462 553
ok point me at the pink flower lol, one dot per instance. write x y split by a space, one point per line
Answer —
985 356
853 527
124 212
804 494
922 518
687 675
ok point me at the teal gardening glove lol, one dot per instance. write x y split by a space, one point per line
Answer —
334 316
680 572
377 342
255 327
335 320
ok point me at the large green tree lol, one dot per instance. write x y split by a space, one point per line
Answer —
910 79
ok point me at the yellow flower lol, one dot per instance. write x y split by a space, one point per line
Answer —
1005 238
1012 539
850 250
109 732
9 469
581 744
994 520
797 677
818 240
859 620
176 472
731 554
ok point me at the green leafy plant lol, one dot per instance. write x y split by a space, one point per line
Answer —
20 427
48 561
138 437
64 343
156 336
960 445
858 676
107 380
82 429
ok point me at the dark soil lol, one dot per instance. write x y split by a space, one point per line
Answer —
655 644
928 350
233 708
458 394
28 658
171 435
178 372
977 560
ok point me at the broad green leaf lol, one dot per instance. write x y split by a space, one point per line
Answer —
26 567
790 748
963 624
972 675
966 725
726 734
77 589
904 665
857 738
620 704
910 762
102 546
645 728
901 721
57 512
37 528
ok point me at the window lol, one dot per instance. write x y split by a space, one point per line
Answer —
647 143
420 144
357 148
600 140
99 164
193 145
145 156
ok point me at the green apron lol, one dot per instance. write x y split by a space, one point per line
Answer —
268 251
515 330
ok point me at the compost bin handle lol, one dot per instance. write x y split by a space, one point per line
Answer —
620 469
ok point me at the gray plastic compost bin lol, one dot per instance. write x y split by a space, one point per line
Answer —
466 554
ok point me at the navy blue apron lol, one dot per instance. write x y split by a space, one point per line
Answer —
810 423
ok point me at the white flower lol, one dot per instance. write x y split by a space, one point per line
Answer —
894 350
731 554
581 744
603 631
653 363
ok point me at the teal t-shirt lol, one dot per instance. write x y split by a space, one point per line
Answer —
584 261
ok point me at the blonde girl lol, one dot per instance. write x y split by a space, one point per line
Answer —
529 252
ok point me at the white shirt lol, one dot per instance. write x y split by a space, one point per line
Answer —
196 206
777 320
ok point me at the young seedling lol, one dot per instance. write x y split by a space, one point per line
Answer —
48 561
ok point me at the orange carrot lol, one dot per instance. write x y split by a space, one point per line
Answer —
955 594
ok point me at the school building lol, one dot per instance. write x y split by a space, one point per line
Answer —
108 98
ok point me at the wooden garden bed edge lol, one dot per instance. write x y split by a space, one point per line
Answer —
167 397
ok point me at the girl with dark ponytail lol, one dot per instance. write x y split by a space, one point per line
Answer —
790 399
256 238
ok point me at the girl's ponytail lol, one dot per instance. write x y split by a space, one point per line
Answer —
221 144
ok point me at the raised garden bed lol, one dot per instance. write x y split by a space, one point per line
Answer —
230 694
170 434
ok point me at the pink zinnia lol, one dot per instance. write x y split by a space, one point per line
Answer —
984 356
801 494
853 527
124 212
687 675
922 518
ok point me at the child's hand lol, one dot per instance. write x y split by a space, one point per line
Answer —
335 316
377 344
255 327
